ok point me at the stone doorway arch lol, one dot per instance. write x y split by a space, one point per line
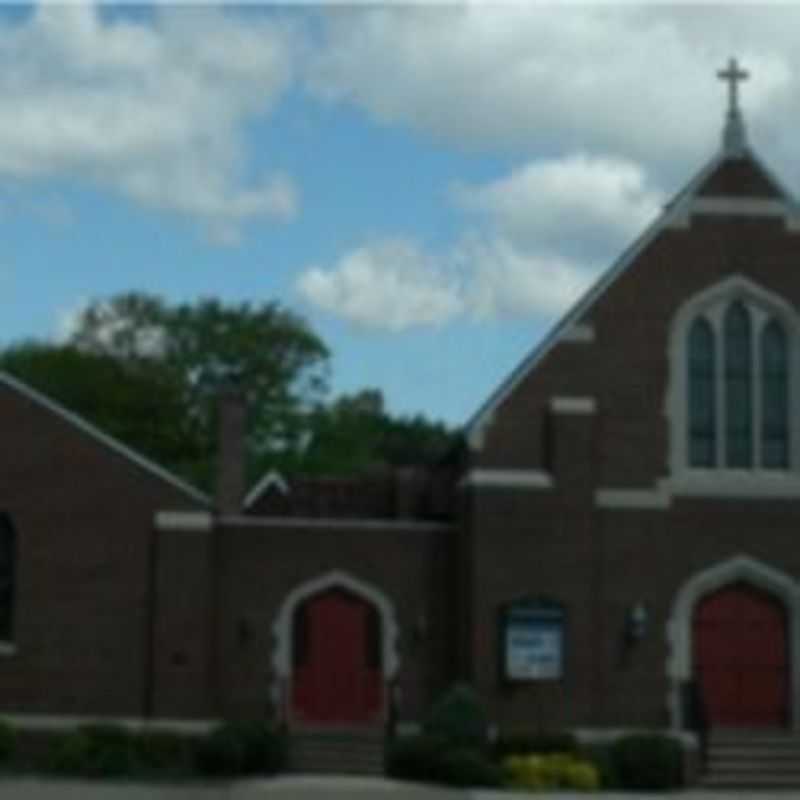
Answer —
739 569
285 621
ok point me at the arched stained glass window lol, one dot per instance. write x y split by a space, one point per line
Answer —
8 568
738 388
774 397
702 372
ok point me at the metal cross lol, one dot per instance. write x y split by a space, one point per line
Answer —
733 75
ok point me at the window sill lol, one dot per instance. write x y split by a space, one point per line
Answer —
744 483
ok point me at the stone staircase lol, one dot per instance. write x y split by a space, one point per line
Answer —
346 751
757 759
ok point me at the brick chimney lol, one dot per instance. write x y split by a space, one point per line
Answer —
232 430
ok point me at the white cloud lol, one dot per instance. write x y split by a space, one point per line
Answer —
394 285
629 80
391 285
506 281
153 110
538 237
594 203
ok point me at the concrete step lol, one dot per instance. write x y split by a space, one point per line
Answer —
345 751
741 759
754 781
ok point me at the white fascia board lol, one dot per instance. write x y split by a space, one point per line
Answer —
58 722
739 206
196 521
110 442
508 479
578 334
573 405
474 428
657 499
273 478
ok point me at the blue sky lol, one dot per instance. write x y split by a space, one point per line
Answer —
431 187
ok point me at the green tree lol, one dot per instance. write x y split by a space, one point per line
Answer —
182 353
356 434
142 407
148 373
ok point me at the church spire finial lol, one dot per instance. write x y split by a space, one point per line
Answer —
734 138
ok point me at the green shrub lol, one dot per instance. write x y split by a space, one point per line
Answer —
416 757
92 750
459 717
432 758
221 752
162 751
237 748
539 743
536 772
264 749
69 753
602 757
648 761
110 751
8 741
464 767
583 776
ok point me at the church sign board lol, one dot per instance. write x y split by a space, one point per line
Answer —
533 641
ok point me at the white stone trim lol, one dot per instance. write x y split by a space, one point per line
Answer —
741 206
657 499
334 524
727 484
579 333
272 480
679 626
56 722
199 521
103 438
573 405
283 626
711 304
508 479
737 484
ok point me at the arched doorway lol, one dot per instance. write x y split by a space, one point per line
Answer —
779 586
307 643
337 674
741 656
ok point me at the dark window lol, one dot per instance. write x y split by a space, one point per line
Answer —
738 388
774 397
8 569
702 376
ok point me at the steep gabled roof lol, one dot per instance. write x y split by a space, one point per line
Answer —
88 429
734 181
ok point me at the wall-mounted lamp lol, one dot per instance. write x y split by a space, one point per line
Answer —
636 623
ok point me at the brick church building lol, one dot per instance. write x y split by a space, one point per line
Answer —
617 547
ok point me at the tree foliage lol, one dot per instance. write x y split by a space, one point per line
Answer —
148 372
356 434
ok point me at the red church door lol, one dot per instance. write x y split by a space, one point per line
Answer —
337 672
741 657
